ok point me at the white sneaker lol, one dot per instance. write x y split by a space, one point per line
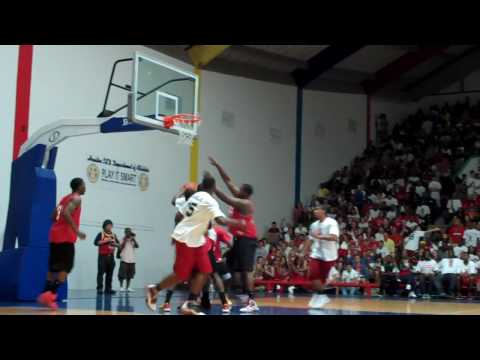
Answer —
130 290
318 301
151 297
412 295
123 289
190 308
251 307
291 290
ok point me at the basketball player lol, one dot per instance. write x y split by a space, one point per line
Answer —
323 243
215 236
186 191
63 235
245 240
190 245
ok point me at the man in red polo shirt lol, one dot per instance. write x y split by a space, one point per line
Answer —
107 243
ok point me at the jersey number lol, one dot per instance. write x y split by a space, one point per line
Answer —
191 209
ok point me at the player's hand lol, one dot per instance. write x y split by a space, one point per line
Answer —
212 161
81 235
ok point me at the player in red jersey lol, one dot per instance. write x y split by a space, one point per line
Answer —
215 236
245 240
63 235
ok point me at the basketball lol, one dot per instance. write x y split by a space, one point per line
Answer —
190 186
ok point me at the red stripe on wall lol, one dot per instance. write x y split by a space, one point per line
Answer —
22 105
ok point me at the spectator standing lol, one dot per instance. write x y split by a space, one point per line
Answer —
435 187
107 242
127 255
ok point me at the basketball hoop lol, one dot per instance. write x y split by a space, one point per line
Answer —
186 124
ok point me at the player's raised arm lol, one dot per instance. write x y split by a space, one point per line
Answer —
67 215
226 179
244 205
221 220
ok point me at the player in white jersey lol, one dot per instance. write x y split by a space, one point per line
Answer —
186 191
323 243
190 244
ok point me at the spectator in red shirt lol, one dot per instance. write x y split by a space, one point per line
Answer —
456 231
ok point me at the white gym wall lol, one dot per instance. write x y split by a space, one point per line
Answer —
334 132
250 129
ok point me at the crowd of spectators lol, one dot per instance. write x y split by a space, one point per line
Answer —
408 223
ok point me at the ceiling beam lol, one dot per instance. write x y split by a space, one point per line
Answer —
323 61
446 74
400 66
202 55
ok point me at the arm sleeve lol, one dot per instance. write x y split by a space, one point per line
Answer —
97 239
333 229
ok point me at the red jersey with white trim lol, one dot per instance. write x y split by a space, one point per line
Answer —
61 231
215 236
250 230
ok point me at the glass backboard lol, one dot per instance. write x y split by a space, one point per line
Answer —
160 89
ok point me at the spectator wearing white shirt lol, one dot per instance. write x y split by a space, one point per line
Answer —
423 212
349 275
449 268
420 189
380 235
458 249
472 235
390 200
435 187
391 213
454 204
374 212
382 251
363 224
335 273
411 224
262 250
301 230
427 269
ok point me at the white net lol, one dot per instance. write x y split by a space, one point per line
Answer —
185 137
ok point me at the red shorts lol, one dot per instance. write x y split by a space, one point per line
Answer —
188 260
319 269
